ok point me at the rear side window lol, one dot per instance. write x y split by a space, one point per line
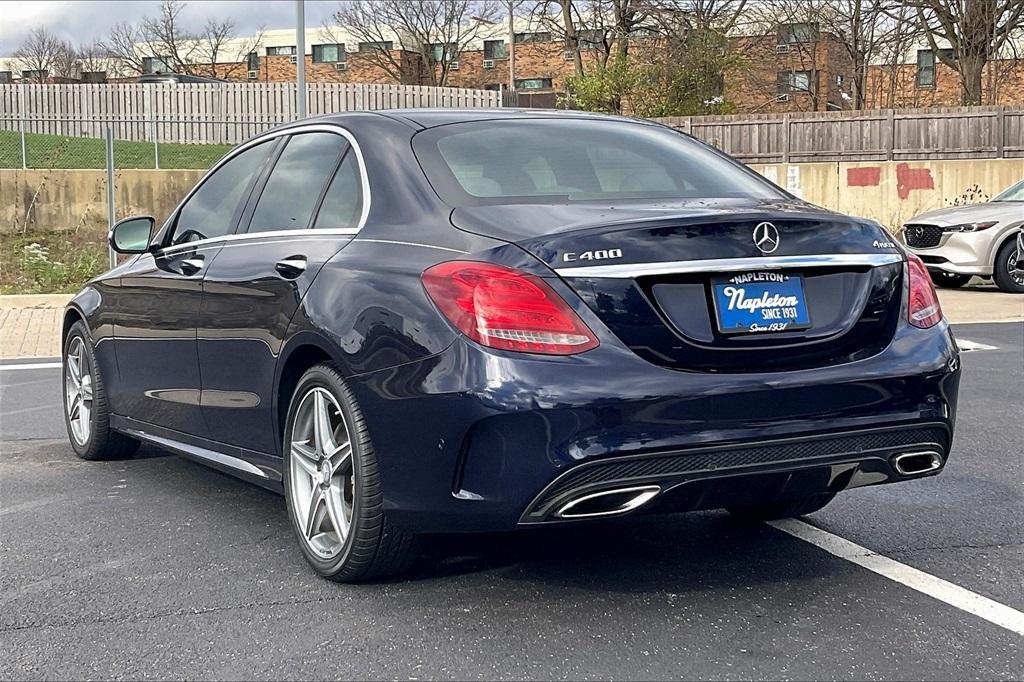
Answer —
297 182
210 212
343 203
567 160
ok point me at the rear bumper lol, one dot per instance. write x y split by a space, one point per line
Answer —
472 440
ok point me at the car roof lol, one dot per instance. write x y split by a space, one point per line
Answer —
428 118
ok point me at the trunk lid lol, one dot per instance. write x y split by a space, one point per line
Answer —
659 276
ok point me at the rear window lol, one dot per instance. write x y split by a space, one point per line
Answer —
545 161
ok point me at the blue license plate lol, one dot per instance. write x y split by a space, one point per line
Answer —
760 302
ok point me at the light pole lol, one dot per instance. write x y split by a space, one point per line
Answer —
300 58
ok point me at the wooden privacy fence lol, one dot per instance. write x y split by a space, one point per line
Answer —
878 135
218 113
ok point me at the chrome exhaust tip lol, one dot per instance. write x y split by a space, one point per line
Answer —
608 502
913 463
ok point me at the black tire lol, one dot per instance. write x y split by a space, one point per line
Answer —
373 548
782 509
1003 272
102 442
949 280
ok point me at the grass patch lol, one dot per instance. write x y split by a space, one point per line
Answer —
57 151
50 262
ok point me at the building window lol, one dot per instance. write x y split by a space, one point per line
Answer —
644 32
439 52
156 65
795 81
329 54
382 45
543 37
6 77
252 61
790 34
590 39
94 76
281 50
533 83
495 49
497 87
35 74
925 69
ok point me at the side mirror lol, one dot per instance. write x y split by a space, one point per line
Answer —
132 235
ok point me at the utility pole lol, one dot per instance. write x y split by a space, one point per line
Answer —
511 47
300 58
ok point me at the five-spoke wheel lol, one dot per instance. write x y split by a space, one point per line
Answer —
332 484
322 477
78 391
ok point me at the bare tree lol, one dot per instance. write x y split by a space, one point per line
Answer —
127 44
438 30
169 40
220 52
45 55
976 30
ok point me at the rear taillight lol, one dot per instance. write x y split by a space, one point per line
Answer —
504 308
923 310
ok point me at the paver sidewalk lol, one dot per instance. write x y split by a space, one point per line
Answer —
30 325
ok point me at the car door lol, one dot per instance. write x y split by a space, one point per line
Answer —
307 209
159 299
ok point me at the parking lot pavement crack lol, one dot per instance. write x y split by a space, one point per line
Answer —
932 548
176 613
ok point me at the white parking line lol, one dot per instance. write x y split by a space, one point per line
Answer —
31 365
966 345
937 588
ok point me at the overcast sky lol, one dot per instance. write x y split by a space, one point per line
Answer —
83 21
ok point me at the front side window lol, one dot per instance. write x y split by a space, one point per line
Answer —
210 212
925 69
291 193
343 203
563 161
329 54
495 49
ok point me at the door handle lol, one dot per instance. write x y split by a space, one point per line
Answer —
191 266
292 267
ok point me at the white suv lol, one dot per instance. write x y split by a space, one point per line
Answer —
980 239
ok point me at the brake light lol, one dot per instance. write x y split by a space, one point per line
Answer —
923 310
504 308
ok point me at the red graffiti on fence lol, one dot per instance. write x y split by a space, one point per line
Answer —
868 176
908 178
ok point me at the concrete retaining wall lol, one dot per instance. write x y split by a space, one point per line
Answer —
77 199
891 192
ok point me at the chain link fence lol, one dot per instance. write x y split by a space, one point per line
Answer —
79 143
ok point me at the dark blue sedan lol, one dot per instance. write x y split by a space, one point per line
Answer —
428 321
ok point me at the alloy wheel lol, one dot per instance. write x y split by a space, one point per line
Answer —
78 391
1016 274
322 474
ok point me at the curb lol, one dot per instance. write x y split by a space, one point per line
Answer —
18 301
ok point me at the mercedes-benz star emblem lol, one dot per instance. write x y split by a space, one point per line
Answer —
766 237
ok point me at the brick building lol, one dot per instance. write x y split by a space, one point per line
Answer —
795 67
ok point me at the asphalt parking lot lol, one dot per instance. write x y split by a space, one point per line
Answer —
159 567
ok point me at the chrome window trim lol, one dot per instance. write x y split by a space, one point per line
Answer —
630 271
275 235
307 128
